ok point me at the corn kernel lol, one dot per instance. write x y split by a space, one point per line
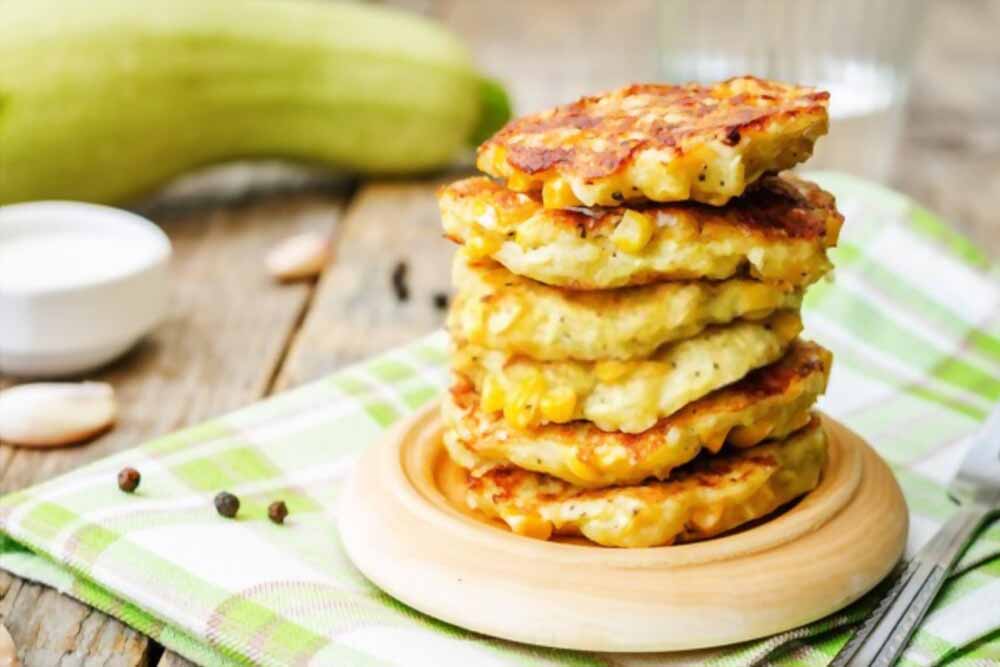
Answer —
559 404
497 158
557 193
749 436
714 441
800 420
530 526
502 318
641 519
493 395
482 245
609 371
762 499
521 407
521 415
787 324
757 314
473 324
633 232
479 208
518 182
706 518
581 469
476 331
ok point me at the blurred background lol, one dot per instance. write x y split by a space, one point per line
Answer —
859 51
915 93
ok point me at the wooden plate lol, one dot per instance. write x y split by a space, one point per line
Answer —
405 525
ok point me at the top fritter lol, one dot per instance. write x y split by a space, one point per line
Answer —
659 142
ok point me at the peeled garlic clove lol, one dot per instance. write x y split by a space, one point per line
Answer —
298 257
8 652
50 414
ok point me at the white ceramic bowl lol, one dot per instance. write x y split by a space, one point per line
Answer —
61 319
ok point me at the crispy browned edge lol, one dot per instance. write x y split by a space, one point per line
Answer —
802 359
707 471
706 114
779 206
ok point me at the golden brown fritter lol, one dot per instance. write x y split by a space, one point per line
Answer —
498 309
707 497
659 142
769 403
777 232
629 396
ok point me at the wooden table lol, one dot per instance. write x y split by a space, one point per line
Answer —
233 336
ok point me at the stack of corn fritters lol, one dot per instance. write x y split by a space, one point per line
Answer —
626 355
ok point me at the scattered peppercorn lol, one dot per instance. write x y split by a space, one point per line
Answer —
399 284
226 504
277 511
128 479
440 300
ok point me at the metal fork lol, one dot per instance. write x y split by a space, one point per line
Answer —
880 640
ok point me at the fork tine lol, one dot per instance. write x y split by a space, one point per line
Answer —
978 476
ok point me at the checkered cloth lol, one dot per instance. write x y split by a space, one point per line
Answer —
913 317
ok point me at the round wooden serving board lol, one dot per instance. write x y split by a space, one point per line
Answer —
404 523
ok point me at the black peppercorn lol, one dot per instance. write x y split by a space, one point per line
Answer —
128 479
440 300
277 511
226 504
399 284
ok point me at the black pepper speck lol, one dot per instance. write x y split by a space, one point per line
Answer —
399 283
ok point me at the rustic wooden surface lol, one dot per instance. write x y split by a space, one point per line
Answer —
949 157
233 336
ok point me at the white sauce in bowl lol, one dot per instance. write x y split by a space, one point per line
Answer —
60 259
80 284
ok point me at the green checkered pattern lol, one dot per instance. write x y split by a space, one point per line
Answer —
913 317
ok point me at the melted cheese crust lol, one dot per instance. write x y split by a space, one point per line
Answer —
695 142
627 396
778 232
707 497
769 403
497 309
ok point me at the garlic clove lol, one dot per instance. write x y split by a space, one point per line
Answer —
299 257
8 652
52 414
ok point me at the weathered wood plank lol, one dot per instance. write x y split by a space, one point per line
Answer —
226 333
356 311
949 157
171 659
56 631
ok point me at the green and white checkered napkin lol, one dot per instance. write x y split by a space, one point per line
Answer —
913 317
